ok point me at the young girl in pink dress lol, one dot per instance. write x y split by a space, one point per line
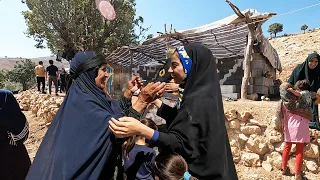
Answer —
296 128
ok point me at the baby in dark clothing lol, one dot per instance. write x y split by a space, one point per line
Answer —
139 158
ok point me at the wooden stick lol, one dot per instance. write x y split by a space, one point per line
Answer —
247 60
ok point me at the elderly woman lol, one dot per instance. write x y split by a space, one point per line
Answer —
79 144
14 158
197 132
310 71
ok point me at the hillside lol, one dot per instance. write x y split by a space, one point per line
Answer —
8 63
294 49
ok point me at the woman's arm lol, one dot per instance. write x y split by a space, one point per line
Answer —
127 126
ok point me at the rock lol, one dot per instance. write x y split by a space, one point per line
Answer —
274 158
253 97
234 124
256 122
243 139
266 166
280 146
311 150
257 145
242 123
231 115
312 166
274 136
244 116
251 160
235 151
248 130
270 145
292 165
24 107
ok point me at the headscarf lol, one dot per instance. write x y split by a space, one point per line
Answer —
12 119
200 124
79 144
303 71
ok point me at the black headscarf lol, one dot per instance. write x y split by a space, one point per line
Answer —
79 144
199 126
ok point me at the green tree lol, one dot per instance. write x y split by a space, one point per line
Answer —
275 28
79 24
304 28
23 73
2 78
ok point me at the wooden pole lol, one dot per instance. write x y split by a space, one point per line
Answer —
247 59
131 63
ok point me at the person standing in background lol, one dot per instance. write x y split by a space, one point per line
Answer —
41 75
63 80
53 76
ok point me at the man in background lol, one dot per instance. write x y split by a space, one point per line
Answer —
41 75
53 76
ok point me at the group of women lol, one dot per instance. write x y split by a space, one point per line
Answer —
84 140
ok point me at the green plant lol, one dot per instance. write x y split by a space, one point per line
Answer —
275 28
79 25
23 73
304 28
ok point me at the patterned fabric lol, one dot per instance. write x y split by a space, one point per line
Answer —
185 60
293 102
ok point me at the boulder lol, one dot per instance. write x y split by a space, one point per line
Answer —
251 160
311 150
257 145
248 130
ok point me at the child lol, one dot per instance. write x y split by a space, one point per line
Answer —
138 158
296 128
299 98
172 167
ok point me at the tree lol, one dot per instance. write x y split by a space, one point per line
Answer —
23 73
2 78
275 28
304 28
78 25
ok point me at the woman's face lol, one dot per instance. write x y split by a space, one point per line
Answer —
176 69
313 63
102 77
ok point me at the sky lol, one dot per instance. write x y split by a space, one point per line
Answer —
182 14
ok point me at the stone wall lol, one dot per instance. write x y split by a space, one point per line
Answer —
43 106
255 144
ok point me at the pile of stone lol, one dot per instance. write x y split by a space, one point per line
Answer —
255 144
43 106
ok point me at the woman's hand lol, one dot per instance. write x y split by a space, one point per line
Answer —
132 86
128 126
151 92
171 87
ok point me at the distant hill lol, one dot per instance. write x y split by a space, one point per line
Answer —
8 63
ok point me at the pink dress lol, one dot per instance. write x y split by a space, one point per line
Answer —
296 128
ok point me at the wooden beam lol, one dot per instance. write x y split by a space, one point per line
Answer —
131 62
247 58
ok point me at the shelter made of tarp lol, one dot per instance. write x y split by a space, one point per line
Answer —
226 38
